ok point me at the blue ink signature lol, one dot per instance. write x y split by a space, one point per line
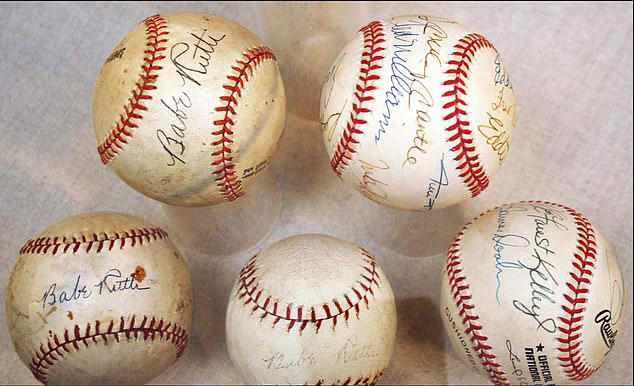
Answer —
501 241
434 186
402 77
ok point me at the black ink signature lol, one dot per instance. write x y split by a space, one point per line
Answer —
514 358
51 297
200 57
434 186
112 282
171 143
351 351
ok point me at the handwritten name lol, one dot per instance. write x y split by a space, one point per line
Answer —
278 361
330 124
352 351
115 55
433 190
370 184
172 141
113 281
542 281
518 373
496 136
501 77
189 67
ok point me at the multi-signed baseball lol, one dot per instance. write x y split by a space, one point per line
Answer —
188 108
99 298
532 295
311 309
417 112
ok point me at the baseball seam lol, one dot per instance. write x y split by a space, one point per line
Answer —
229 184
460 288
372 38
369 380
583 263
54 349
155 28
249 291
469 168
42 245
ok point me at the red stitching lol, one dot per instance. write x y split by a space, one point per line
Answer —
372 37
155 26
42 245
471 171
55 348
369 380
467 311
230 185
583 260
344 306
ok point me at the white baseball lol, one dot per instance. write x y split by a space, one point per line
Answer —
189 107
417 112
99 298
532 294
311 309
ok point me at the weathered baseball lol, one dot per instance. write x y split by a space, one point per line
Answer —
417 112
311 309
532 294
99 298
188 108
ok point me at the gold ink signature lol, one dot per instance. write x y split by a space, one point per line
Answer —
496 136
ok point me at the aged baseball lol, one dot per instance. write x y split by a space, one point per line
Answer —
311 309
417 112
99 298
532 295
188 108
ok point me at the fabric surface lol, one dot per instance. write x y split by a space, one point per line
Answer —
571 67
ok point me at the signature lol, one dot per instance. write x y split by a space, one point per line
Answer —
115 55
278 361
403 79
501 77
172 143
496 136
370 185
540 273
514 358
501 104
352 351
329 79
435 185
501 262
426 101
189 68
113 281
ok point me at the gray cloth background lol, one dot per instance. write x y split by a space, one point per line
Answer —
571 67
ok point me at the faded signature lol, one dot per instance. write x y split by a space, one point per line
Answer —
278 360
435 186
329 81
352 351
369 184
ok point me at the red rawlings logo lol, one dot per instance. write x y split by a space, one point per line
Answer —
229 184
471 172
373 37
301 317
156 30
58 346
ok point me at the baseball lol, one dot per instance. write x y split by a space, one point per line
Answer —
417 112
188 108
532 294
99 298
311 309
